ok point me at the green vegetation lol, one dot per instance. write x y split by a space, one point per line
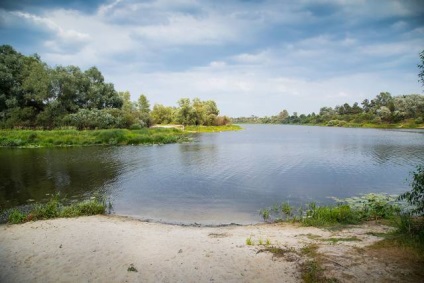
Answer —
416 196
212 129
384 111
407 217
34 95
348 211
249 241
54 208
131 268
39 138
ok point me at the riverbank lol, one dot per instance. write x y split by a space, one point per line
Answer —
39 138
164 134
118 249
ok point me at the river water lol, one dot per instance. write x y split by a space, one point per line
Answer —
218 178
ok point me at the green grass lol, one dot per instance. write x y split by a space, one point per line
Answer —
54 208
39 138
212 129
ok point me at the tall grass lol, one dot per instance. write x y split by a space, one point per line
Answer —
347 211
69 137
55 208
212 129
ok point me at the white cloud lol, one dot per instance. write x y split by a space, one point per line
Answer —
268 57
65 34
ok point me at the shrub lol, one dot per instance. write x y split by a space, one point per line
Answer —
16 217
415 197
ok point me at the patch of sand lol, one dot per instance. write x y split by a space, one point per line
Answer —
104 248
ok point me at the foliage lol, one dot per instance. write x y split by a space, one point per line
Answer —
374 206
415 197
35 95
249 241
384 111
55 208
16 217
72 137
89 207
348 211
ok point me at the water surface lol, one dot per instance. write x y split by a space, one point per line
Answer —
221 177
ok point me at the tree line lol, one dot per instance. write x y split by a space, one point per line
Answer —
383 110
35 95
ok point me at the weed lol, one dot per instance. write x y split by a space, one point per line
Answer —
260 242
16 217
265 213
336 240
54 208
249 241
277 251
268 242
131 268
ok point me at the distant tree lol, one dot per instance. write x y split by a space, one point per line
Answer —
162 114
186 114
143 104
283 116
366 105
144 110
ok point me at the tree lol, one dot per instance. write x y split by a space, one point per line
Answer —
144 111
143 104
162 114
416 196
185 114
283 116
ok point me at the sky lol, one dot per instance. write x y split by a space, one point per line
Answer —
250 57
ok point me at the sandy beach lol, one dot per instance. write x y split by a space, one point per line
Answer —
119 249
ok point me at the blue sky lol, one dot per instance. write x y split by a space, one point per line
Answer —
251 57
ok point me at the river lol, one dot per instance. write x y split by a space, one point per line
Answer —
219 178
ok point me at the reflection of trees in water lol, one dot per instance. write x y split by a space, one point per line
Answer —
36 173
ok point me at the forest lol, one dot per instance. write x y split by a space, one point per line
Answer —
34 95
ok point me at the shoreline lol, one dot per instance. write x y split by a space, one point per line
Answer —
110 248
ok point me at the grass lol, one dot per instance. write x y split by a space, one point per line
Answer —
406 242
54 208
212 129
355 210
39 138
249 241
311 270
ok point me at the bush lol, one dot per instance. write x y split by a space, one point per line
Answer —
16 217
415 197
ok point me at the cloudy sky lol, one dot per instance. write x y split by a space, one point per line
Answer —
251 57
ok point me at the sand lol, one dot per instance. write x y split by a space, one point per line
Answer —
119 249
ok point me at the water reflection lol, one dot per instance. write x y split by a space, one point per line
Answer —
34 174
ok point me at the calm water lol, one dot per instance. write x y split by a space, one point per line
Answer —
220 178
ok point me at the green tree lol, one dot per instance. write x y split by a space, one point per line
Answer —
185 115
162 114
416 196
144 110
143 104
